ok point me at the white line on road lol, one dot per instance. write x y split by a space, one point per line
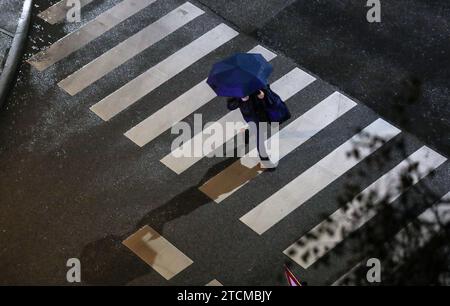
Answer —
92 30
157 252
434 216
214 283
343 220
129 48
180 108
180 164
286 87
57 12
162 72
297 133
342 280
315 179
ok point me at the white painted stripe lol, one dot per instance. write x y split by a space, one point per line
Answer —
315 179
180 108
92 30
58 12
293 136
214 283
157 252
162 72
439 213
7 33
286 87
433 217
342 280
344 223
129 48
181 164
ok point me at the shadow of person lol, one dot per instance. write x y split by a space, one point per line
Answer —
182 204
109 262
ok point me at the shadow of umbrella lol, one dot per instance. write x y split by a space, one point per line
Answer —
108 262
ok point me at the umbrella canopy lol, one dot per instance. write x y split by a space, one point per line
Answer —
240 75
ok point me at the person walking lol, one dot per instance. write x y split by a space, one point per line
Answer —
254 110
244 78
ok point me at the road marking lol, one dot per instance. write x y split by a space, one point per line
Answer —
7 33
293 136
180 108
286 87
180 164
162 72
434 216
129 48
343 221
315 179
92 30
157 252
214 283
342 280
58 12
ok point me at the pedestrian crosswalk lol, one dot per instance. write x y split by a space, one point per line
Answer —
431 221
180 108
58 12
389 185
434 218
342 281
307 125
162 72
315 179
129 48
158 252
286 87
92 30
297 133
214 283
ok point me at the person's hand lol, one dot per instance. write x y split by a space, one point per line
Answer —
261 95
245 99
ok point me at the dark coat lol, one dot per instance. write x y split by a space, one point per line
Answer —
253 110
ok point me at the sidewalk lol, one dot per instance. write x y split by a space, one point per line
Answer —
10 11
14 20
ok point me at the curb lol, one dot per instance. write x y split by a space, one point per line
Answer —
15 52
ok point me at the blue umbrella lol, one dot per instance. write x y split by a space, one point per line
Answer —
240 75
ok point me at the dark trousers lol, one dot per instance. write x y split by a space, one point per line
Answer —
262 133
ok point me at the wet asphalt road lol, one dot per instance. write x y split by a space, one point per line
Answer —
399 67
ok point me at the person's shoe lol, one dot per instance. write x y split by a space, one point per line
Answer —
267 165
